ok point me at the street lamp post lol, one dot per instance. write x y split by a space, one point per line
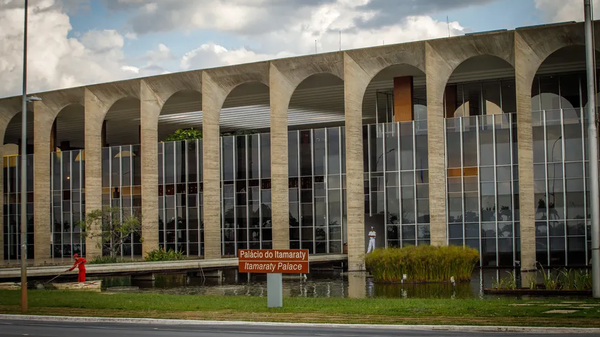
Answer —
592 146
24 173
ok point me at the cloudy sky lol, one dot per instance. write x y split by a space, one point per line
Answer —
77 42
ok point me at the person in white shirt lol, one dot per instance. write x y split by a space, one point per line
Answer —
372 236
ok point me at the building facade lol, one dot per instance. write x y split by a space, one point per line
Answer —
477 140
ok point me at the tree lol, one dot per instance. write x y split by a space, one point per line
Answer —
184 134
108 225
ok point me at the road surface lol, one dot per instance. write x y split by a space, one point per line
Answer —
59 329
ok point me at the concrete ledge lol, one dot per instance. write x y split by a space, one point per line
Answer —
465 328
147 267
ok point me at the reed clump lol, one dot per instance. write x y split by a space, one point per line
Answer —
422 264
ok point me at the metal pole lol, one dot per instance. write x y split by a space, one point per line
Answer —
24 173
593 146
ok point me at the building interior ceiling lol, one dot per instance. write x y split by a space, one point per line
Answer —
318 101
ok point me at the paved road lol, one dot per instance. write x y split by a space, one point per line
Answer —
11 328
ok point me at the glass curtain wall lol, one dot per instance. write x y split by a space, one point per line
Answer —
397 183
384 105
317 190
180 188
482 178
121 187
246 193
480 98
12 207
68 202
560 171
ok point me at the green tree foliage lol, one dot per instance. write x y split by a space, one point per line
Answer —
184 134
108 225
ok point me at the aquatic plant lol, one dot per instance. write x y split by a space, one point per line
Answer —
422 263
508 282
571 279
550 283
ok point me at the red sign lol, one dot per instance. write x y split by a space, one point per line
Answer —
277 261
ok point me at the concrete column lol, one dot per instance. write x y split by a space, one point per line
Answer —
151 106
526 64
435 65
355 82
2 203
95 110
43 124
212 101
357 285
52 137
280 94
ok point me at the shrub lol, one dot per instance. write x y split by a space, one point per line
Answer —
164 255
422 263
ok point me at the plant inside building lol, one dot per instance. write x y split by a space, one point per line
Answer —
422 263
112 228
184 134
239 133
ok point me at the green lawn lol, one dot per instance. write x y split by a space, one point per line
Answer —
384 311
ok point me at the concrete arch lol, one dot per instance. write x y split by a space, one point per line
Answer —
532 48
8 110
45 118
388 74
220 82
443 57
121 122
57 101
288 74
105 96
217 84
164 87
13 128
308 76
316 102
374 60
538 45
185 101
46 113
71 112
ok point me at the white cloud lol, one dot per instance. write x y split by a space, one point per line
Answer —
565 10
131 69
212 55
274 29
54 60
323 24
162 53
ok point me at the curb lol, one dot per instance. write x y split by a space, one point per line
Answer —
150 321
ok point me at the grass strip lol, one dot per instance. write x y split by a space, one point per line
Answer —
309 310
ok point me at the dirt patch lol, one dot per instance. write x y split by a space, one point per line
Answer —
230 315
